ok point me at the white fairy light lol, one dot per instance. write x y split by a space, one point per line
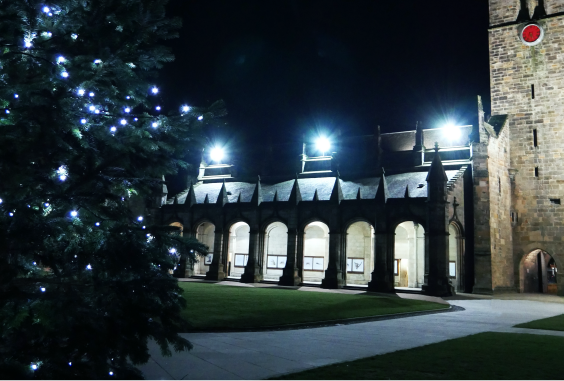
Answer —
34 366
74 213
97 224
91 94
97 61
46 204
46 9
123 122
11 214
92 108
128 97
16 96
185 108
34 263
64 74
74 36
42 289
27 44
143 227
89 267
61 59
113 129
127 109
62 172
155 90
172 251
200 117
140 218
158 108
48 34
83 121
111 373
80 92
70 363
96 111
7 111
155 124
1 201
136 119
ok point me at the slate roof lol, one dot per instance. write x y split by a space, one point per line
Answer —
498 122
324 186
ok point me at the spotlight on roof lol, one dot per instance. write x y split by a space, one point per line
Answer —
323 144
216 154
451 131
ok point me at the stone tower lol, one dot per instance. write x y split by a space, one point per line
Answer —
518 172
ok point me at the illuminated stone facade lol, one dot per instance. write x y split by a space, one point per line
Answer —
485 217
524 182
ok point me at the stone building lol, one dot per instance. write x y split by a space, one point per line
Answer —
468 208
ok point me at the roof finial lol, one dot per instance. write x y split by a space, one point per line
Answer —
436 146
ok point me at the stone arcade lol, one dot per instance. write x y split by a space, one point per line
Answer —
480 212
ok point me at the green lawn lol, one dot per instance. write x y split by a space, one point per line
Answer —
489 355
555 323
216 307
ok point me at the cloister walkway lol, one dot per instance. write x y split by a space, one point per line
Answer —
259 355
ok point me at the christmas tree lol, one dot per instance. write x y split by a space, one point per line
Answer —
85 281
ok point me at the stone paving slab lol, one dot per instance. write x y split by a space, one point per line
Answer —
258 355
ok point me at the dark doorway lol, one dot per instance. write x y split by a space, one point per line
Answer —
538 273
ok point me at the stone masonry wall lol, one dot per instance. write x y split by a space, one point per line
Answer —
554 6
500 208
514 68
503 11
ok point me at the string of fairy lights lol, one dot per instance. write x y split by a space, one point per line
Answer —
91 110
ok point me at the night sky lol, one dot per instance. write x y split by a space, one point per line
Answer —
293 67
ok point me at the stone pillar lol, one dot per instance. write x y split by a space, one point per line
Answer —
216 270
290 276
334 274
383 274
437 281
253 269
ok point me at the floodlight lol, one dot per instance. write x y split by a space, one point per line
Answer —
323 144
216 154
451 131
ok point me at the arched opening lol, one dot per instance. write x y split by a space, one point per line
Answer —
360 252
538 273
316 252
181 270
456 257
275 244
238 249
409 255
205 234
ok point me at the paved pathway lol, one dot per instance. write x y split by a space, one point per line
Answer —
260 355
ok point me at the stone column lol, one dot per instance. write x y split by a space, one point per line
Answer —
334 274
437 281
253 270
383 274
216 270
290 276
